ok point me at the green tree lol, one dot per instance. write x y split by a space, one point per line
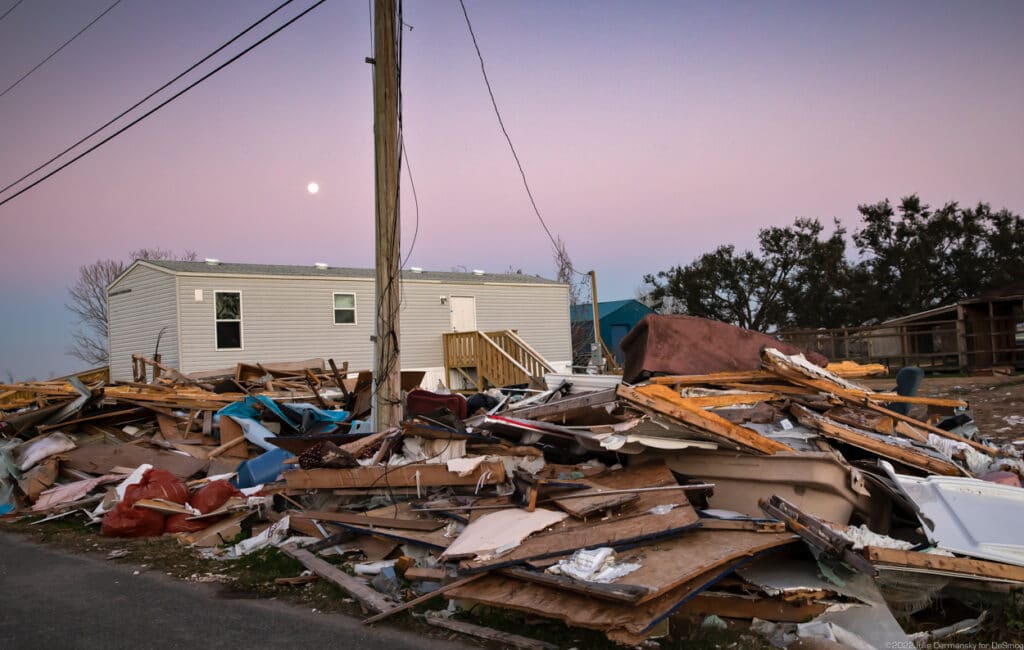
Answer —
914 258
798 279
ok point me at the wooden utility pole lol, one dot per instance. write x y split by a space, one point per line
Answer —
387 406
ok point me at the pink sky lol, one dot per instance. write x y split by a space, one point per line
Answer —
650 132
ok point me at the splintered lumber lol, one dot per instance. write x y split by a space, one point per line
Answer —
666 401
854 370
587 502
422 474
506 639
713 378
890 558
360 519
815 532
932 429
234 443
409 604
370 598
897 449
716 401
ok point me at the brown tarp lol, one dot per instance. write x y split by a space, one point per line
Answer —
687 345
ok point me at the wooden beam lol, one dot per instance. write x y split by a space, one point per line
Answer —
409 604
505 639
666 401
369 597
865 440
932 429
404 476
930 562
364 520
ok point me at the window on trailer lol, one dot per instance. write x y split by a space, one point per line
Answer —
344 308
228 305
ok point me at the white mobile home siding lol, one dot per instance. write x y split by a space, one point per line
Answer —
283 319
138 307
291 317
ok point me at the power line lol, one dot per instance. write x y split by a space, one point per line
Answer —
150 95
54 53
164 103
13 7
508 139
416 202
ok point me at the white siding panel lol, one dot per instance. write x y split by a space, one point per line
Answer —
141 305
289 319
282 320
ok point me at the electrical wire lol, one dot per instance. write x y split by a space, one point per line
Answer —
54 53
165 102
13 7
501 123
150 95
416 202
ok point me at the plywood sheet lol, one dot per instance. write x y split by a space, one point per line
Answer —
100 459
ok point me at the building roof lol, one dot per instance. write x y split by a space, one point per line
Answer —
585 312
231 268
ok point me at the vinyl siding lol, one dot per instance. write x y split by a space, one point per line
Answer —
286 319
135 318
282 320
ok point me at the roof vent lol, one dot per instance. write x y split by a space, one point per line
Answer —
478 271
320 265
416 269
212 261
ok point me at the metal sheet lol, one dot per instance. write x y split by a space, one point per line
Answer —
970 516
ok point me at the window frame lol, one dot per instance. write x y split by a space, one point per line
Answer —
216 320
354 308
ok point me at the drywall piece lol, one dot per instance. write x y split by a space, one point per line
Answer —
970 516
498 532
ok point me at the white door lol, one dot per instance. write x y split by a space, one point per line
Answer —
463 313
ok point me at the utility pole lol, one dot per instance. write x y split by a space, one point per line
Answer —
597 351
387 406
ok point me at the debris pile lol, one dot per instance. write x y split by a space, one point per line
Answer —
784 494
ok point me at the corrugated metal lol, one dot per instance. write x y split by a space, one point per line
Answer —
142 303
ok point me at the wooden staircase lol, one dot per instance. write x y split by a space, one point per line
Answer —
492 359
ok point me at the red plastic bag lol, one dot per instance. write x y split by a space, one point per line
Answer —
157 484
182 524
126 521
212 496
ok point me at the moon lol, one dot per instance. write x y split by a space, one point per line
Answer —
313 188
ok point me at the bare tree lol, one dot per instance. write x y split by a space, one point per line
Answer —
582 331
88 301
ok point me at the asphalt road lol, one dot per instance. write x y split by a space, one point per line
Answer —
50 599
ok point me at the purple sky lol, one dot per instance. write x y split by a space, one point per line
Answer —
651 133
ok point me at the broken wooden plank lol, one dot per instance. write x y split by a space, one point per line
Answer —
587 502
409 604
422 474
889 447
933 563
506 639
712 378
230 433
666 401
932 429
364 520
369 597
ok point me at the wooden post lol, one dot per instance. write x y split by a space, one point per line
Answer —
387 407
961 338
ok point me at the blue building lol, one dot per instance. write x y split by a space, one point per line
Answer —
616 318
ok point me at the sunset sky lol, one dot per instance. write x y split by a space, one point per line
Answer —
651 132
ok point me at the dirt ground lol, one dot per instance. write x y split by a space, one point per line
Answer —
997 402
